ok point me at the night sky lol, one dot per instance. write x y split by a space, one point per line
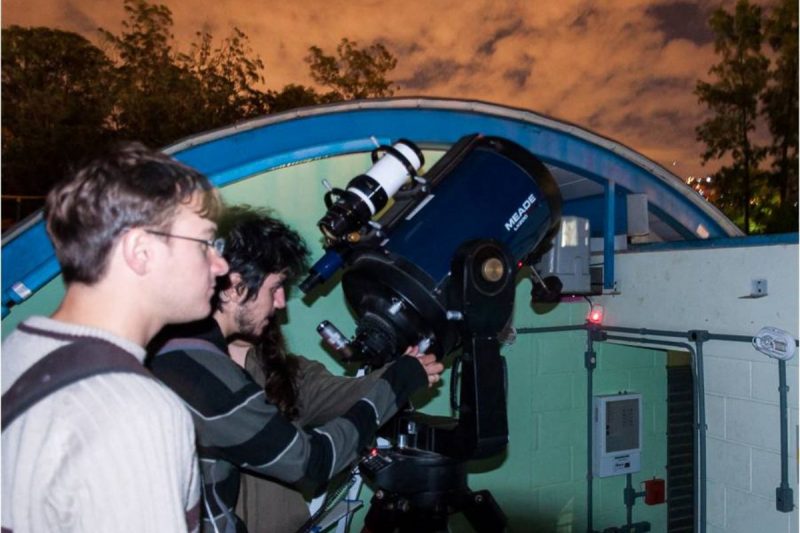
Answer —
625 69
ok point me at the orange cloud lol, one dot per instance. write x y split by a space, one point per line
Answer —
624 68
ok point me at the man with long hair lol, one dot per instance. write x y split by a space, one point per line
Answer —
237 427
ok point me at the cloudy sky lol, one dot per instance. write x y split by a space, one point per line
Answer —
623 68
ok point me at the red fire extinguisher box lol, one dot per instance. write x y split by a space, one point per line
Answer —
654 491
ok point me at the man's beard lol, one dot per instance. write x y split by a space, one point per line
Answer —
248 326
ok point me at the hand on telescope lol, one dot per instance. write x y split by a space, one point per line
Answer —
428 361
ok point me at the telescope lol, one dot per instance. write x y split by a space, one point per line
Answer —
430 260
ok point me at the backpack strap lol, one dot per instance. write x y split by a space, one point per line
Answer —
64 366
188 344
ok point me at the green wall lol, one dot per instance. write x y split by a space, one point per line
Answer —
540 482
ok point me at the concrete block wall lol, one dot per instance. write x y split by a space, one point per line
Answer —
541 482
707 289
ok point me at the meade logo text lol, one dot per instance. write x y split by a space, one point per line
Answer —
521 215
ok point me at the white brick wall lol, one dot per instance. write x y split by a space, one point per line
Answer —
702 289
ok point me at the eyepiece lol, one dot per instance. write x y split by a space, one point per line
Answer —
335 339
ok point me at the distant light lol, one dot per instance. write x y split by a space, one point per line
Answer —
708 179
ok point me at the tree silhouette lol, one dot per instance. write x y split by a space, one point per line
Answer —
162 95
354 73
732 98
780 108
64 99
55 105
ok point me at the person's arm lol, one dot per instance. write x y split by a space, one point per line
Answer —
235 422
323 396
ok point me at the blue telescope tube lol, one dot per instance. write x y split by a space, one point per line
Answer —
322 270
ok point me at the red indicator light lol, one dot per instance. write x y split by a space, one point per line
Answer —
595 315
519 264
373 452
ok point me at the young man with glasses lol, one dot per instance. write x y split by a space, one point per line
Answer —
109 448
237 427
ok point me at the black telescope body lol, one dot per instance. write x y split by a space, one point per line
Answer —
397 269
437 269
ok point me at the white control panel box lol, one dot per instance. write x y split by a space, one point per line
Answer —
617 434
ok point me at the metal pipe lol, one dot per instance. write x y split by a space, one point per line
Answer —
685 334
647 331
630 496
628 502
734 338
589 361
700 337
784 499
551 329
608 236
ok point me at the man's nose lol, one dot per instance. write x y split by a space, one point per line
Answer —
280 298
219 267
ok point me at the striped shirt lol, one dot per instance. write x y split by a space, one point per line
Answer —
112 452
237 428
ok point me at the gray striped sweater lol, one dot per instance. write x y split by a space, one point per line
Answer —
113 452
237 428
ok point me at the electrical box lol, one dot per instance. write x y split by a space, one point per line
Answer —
568 259
638 216
617 434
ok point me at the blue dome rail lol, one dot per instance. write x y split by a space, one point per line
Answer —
237 152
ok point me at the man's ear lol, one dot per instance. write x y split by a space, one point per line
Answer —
235 291
136 249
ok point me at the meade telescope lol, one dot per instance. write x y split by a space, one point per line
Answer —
431 261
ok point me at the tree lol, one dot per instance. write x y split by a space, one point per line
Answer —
292 96
732 98
156 98
164 95
780 108
65 99
56 99
355 74
227 76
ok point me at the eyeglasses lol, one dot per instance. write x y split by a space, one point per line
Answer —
218 244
